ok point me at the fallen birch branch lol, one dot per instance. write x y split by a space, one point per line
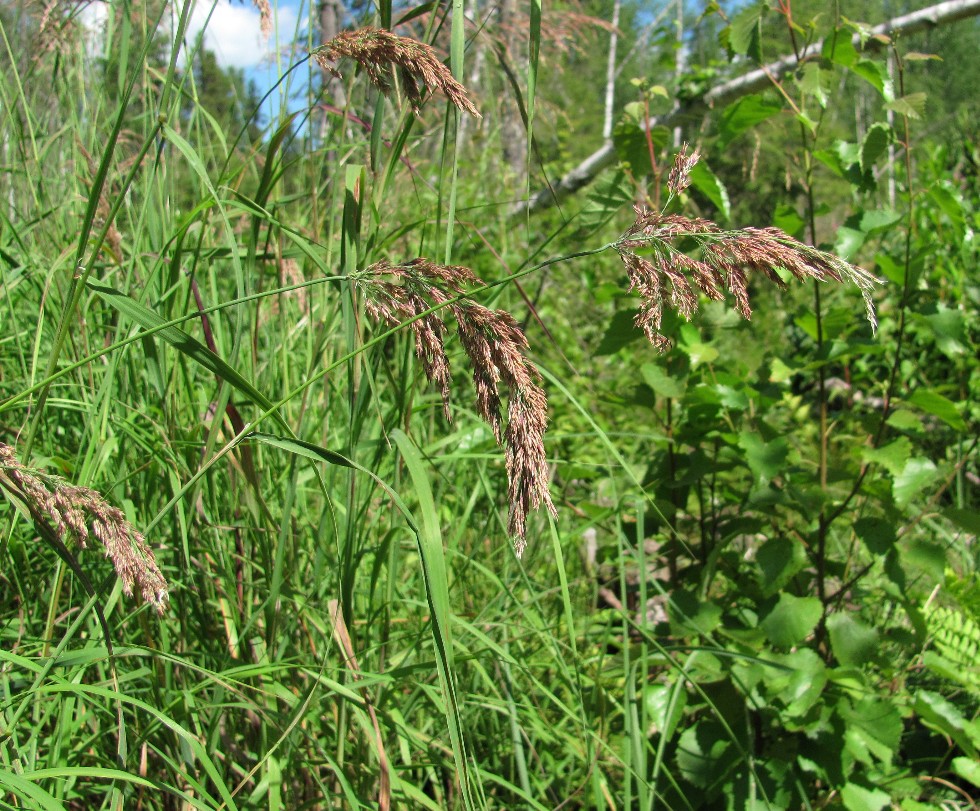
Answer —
726 93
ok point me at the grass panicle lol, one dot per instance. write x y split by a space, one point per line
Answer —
495 346
57 29
722 261
379 51
265 17
679 178
78 513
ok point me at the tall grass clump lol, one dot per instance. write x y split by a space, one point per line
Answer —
400 509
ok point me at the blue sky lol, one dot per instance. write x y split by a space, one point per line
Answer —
233 32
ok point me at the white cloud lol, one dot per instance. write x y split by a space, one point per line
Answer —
232 32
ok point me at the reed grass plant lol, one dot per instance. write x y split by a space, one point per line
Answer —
226 360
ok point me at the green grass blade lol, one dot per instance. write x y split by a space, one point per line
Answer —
187 345
26 791
437 591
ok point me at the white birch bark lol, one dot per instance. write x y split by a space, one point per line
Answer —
607 118
727 92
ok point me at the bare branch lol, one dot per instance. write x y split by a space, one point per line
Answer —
752 82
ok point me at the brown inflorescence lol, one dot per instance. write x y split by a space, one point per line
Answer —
680 174
78 513
378 51
265 17
495 346
723 260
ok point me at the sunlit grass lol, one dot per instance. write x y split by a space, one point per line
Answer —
226 345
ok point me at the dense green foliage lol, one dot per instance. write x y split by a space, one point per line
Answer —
762 589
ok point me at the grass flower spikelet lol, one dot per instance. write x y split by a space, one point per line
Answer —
722 262
680 174
79 513
379 51
495 346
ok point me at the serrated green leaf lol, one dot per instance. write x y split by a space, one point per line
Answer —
630 140
894 570
792 620
662 383
706 182
620 332
855 746
787 219
893 456
966 519
891 269
704 666
705 753
832 161
745 32
879 219
664 705
942 715
744 114
779 559
807 122
948 201
849 241
904 420
877 534
840 50
634 112
690 616
928 556
858 798
834 323
814 82
880 725
799 687
911 106
876 74
765 459
967 769
874 144
711 7
734 398
848 153
934 403
696 350
853 641
915 477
